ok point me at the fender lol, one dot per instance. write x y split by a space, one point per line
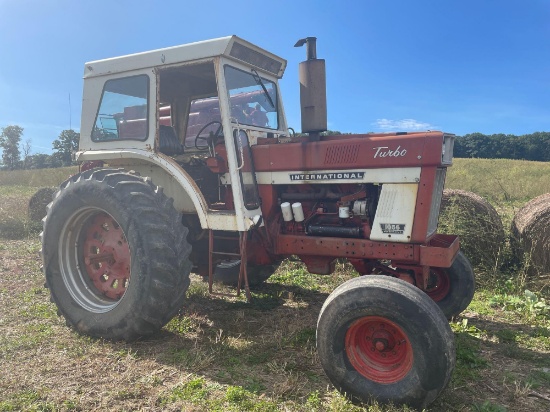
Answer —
165 172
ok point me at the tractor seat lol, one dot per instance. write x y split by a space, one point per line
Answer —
169 143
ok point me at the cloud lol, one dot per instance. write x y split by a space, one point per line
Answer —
403 125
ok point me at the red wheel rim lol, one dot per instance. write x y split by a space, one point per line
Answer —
106 256
439 284
379 349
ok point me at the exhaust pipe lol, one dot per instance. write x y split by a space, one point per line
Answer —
313 93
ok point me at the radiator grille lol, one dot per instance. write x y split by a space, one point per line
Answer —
341 154
436 200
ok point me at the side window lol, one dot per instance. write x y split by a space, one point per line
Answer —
123 110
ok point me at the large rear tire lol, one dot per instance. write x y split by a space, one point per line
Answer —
115 255
381 338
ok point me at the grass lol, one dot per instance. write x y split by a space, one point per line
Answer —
500 180
222 354
16 188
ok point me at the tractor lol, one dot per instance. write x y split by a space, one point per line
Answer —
187 164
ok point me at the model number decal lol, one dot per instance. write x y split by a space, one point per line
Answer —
392 228
327 176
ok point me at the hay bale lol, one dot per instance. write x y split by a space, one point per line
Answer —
38 203
531 235
476 222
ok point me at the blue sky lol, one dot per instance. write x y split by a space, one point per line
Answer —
459 66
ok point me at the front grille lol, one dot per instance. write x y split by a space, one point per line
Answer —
338 154
436 200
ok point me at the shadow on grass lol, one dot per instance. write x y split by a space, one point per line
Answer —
266 346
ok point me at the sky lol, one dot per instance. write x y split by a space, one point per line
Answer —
392 65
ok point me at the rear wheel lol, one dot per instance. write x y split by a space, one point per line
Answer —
115 255
452 288
382 338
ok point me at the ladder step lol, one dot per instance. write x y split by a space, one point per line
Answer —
225 237
243 275
226 253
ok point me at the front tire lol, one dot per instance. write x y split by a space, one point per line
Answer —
115 255
382 338
452 288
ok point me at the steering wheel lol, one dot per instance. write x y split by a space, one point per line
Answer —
212 136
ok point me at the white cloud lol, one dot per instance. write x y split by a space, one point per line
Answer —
402 125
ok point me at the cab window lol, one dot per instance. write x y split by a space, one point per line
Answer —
123 110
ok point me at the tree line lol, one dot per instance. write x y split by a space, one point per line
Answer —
17 154
534 146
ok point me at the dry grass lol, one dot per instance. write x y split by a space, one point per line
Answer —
36 178
477 223
16 190
531 234
500 180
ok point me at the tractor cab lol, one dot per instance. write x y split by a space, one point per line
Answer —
199 107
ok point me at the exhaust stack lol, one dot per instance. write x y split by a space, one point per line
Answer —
313 94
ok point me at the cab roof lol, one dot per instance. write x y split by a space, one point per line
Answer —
231 47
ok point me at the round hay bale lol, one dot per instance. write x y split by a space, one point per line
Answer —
476 222
39 201
531 235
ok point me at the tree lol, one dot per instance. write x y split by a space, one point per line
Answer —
39 161
26 148
9 142
65 146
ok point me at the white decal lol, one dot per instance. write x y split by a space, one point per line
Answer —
327 176
384 151
393 228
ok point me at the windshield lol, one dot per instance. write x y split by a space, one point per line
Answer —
253 99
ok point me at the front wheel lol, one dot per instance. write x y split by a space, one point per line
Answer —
452 288
382 338
115 255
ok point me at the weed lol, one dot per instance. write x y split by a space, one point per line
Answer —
468 359
531 305
313 401
195 391
29 400
538 378
293 274
304 337
488 406
181 325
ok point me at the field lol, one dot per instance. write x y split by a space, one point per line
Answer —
224 354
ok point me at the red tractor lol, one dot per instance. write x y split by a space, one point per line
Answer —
188 164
